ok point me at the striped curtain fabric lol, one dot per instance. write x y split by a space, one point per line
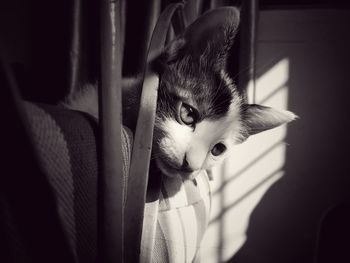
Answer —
182 217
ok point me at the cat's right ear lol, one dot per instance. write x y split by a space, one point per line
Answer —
258 118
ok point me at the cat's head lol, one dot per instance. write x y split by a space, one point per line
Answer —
200 113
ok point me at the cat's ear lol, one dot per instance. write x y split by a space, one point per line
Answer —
258 118
207 40
210 37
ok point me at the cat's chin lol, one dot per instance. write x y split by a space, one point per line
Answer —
173 172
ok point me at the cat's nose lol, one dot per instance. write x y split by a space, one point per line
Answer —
186 166
195 158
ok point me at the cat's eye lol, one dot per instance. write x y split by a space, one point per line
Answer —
188 114
218 149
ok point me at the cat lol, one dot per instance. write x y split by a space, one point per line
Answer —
200 113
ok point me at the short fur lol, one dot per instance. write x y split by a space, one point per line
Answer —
193 73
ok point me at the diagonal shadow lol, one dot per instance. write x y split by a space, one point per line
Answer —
246 167
273 93
249 192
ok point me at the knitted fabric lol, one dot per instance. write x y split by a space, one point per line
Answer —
66 141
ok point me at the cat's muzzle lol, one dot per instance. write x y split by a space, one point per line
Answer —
172 170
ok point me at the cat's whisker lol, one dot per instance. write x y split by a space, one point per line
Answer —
219 88
222 102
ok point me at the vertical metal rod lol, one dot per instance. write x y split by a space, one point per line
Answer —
75 48
248 38
112 181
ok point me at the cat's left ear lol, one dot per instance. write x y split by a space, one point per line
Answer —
211 36
258 118
207 40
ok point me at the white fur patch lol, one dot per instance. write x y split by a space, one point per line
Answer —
196 145
177 139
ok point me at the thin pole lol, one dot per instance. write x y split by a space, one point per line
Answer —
112 181
248 38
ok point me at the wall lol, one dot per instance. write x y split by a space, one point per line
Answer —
270 196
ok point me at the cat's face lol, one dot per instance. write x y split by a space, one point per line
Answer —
198 119
200 115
